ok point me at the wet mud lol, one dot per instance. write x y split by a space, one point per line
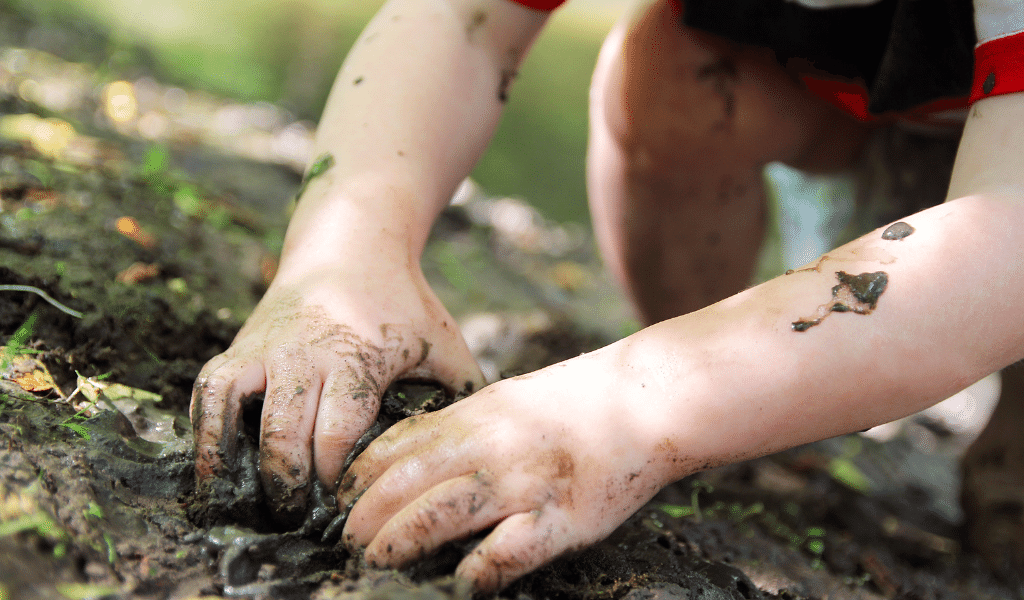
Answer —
854 293
897 231
97 496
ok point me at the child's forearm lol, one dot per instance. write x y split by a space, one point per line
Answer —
739 379
415 103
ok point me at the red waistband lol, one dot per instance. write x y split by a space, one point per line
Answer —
852 98
998 67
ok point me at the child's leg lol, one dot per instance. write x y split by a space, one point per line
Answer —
993 484
682 124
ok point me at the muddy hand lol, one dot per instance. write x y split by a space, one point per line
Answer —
323 350
552 461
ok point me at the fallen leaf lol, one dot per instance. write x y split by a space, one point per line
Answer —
138 272
27 372
36 381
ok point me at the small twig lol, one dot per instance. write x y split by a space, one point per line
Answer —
34 290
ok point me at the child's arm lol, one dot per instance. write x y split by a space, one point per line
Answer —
558 458
411 111
349 311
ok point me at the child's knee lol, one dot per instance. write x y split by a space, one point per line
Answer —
678 96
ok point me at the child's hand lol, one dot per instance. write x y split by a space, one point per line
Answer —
324 347
553 460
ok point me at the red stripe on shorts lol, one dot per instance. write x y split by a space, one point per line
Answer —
998 67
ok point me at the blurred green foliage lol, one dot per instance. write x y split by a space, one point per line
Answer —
288 51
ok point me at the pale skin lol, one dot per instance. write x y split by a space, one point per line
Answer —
520 455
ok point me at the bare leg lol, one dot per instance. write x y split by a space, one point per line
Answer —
993 484
682 124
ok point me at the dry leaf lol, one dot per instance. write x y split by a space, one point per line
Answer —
36 381
29 373
138 272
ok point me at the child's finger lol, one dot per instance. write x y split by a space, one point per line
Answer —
216 410
447 360
405 456
452 510
344 414
350 400
286 429
521 543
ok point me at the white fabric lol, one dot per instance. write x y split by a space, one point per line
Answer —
998 18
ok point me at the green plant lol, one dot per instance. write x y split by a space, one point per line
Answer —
811 539
16 343
72 422
845 471
111 550
677 511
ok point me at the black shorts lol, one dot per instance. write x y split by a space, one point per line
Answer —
906 53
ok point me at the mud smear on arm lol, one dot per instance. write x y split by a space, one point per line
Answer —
854 293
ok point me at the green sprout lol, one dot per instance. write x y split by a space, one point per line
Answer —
16 343
676 511
111 551
843 469
739 514
93 510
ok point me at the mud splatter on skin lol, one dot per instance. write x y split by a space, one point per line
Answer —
723 76
320 165
816 268
854 293
897 231
424 351
427 518
475 22
509 73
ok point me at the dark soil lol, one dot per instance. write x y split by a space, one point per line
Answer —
96 493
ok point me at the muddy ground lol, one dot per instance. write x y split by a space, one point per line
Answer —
133 244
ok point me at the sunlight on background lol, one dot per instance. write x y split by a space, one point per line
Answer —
288 51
